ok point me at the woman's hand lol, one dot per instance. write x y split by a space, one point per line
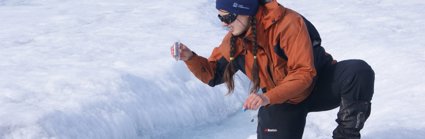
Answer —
255 101
184 52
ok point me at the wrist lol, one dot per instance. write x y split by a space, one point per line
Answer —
266 100
191 54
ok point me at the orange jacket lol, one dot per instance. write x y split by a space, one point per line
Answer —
286 81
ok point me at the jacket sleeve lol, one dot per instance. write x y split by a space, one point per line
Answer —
300 65
210 71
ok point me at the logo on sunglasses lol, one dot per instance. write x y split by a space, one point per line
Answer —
236 5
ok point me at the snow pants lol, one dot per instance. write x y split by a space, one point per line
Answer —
348 84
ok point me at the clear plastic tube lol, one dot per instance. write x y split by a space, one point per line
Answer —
176 50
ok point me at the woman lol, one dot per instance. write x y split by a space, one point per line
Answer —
280 52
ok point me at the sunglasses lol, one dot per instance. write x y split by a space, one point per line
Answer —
228 18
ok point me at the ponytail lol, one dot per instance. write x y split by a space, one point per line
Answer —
230 68
255 69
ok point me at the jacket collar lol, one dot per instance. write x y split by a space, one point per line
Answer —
267 15
270 14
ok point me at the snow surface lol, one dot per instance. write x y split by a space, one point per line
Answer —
101 68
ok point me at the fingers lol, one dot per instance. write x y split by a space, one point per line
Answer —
253 102
258 104
265 99
248 101
183 47
184 53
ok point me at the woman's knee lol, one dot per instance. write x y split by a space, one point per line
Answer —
358 66
359 80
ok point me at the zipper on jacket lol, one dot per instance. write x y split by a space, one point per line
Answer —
271 76
269 64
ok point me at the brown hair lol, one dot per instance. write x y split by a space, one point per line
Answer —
230 69
255 69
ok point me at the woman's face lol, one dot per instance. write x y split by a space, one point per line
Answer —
238 26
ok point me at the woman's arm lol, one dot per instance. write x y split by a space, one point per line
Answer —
210 71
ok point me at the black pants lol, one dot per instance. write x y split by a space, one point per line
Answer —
348 84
